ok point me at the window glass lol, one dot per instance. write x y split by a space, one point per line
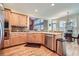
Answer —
54 25
62 25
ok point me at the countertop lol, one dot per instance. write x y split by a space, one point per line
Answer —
45 32
56 33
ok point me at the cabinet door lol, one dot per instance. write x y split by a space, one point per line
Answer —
25 37
22 20
31 38
7 14
6 43
22 38
38 38
14 19
14 40
35 38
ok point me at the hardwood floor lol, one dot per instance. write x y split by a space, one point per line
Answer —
23 50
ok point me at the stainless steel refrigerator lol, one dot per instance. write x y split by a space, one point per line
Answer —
1 25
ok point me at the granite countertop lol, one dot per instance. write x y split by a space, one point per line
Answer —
44 32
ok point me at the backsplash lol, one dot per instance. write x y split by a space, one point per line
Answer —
18 29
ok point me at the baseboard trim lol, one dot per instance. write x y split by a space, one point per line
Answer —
12 46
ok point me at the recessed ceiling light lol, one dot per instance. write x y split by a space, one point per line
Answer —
52 4
36 10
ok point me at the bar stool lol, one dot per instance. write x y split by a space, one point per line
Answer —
78 39
68 37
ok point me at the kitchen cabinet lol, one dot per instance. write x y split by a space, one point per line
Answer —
14 19
35 38
23 38
22 20
39 38
18 38
6 43
7 14
30 38
14 39
18 19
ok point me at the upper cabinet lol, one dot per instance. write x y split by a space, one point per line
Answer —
14 19
18 19
7 14
22 20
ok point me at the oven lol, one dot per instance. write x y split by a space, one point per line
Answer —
6 34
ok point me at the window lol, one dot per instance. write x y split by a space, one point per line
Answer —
62 25
39 24
54 25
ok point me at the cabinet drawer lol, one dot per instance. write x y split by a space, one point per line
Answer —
14 40
6 43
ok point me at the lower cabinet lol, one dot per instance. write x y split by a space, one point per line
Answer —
22 38
35 38
14 40
18 38
6 43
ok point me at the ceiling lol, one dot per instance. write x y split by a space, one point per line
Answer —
45 10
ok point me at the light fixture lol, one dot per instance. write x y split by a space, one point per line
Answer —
36 10
52 4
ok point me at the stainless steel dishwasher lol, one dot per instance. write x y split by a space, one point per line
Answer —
49 41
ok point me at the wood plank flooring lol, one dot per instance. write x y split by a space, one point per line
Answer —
23 50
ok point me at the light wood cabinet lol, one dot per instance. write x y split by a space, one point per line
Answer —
22 20
14 40
39 38
30 38
14 19
35 38
18 19
18 38
23 37
7 14
6 43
